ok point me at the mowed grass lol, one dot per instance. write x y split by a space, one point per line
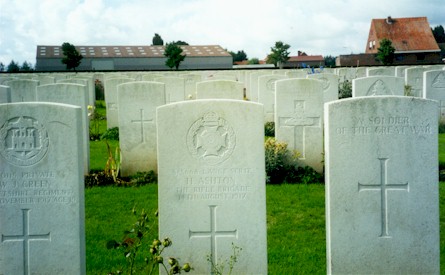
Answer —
296 241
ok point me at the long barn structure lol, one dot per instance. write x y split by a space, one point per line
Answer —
133 58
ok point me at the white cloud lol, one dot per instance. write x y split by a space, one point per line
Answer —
316 27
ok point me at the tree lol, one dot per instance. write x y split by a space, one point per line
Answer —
329 61
439 34
239 56
71 57
174 55
157 40
253 61
2 67
26 67
385 53
13 67
279 54
179 42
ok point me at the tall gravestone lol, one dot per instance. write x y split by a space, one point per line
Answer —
299 119
330 85
378 85
112 107
388 71
137 125
73 94
227 89
382 210
41 189
5 94
211 165
23 90
414 79
266 94
434 88
174 88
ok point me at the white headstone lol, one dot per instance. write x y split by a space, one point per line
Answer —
211 165
110 87
266 94
41 189
388 71
434 88
190 84
137 125
414 79
23 90
5 94
227 89
73 94
299 118
330 85
174 88
252 92
378 85
382 210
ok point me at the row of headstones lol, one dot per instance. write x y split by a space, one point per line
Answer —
382 210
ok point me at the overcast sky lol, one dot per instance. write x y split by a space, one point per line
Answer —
326 27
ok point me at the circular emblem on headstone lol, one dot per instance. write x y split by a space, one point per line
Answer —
23 141
326 82
210 139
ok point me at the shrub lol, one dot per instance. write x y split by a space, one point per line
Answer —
99 89
345 89
269 129
441 126
279 161
111 134
142 178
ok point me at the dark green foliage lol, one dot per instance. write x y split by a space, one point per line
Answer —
279 54
143 178
13 67
345 89
100 179
179 42
329 61
157 40
253 61
385 53
99 90
2 67
439 34
269 129
239 56
26 67
71 57
303 175
174 55
441 126
111 134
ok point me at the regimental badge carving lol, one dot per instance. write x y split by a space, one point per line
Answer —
23 141
210 139
379 88
326 83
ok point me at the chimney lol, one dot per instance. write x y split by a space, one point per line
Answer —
389 20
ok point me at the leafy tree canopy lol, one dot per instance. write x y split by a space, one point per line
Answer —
385 53
13 67
26 67
157 40
2 67
174 55
71 57
253 61
329 61
179 42
439 34
239 56
279 54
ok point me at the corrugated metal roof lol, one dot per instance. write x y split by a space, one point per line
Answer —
406 34
130 51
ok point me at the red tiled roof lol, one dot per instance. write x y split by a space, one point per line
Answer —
305 58
406 34
129 51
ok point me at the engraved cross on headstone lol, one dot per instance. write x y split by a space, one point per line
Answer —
383 187
112 105
25 237
213 233
142 121
298 120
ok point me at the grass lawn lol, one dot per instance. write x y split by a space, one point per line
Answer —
295 221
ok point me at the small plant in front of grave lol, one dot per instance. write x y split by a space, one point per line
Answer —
269 129
111 134
303 175
142 178
279 161
218 268
345 89
441 126
113 164
94 117
133 243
